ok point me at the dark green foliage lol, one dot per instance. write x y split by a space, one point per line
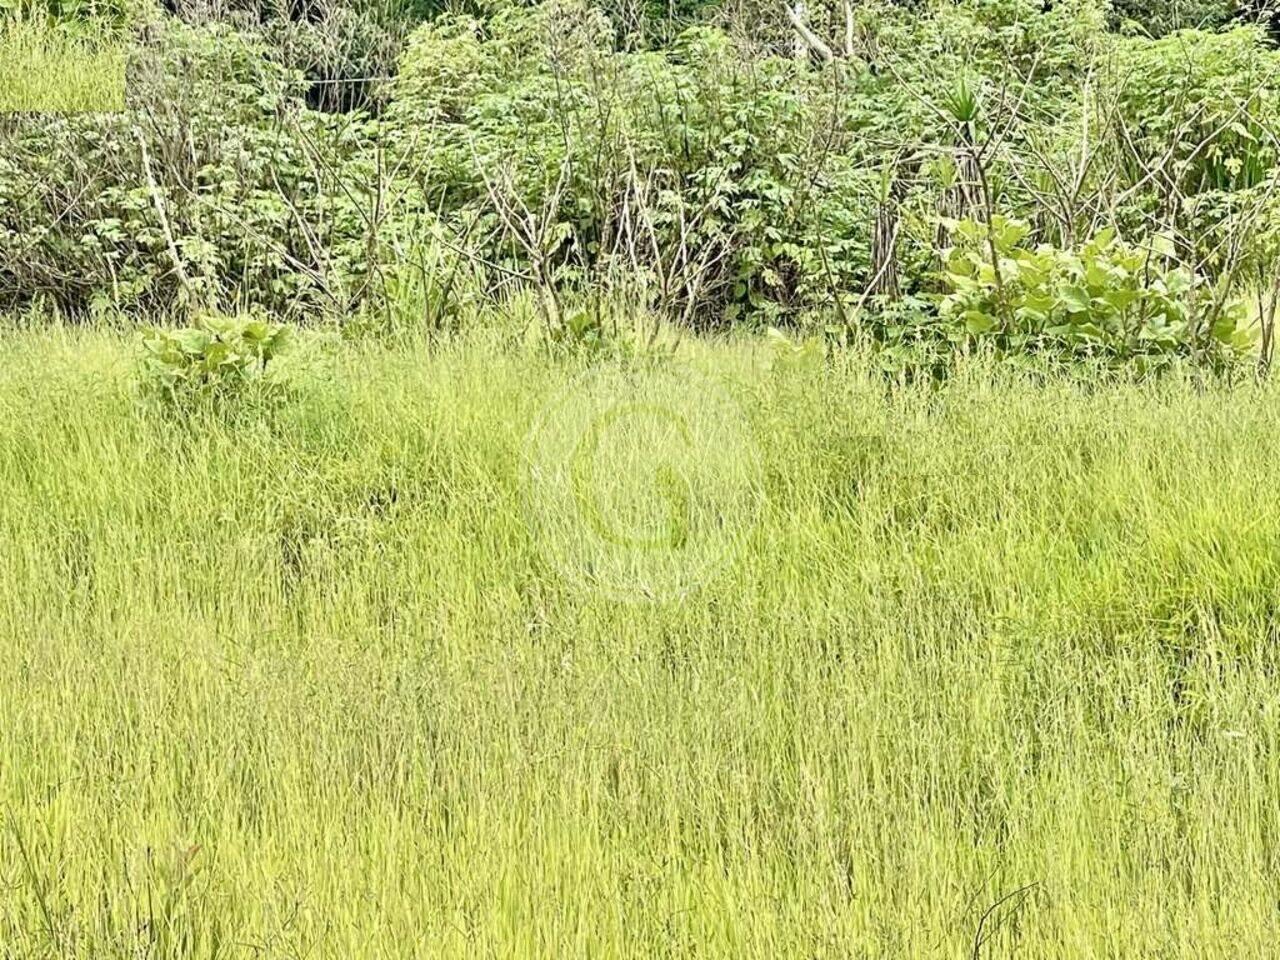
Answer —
1156 18
1200 103
345 49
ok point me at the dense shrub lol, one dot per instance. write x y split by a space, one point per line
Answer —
1196 104
1107 299
212 188
704 172
345 49
231 366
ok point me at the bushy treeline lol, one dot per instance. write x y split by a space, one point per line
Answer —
1040 176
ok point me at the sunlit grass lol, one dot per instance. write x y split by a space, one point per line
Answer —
302 683
45 68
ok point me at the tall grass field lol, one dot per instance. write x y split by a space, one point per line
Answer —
467 649
51 68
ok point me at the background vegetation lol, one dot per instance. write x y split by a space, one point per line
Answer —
388 164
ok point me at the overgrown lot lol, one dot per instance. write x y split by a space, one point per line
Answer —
714 479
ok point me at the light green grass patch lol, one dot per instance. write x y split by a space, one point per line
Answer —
302 681
52 68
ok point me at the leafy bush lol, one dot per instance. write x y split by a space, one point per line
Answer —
734 181
219 359
1106 299
551 150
